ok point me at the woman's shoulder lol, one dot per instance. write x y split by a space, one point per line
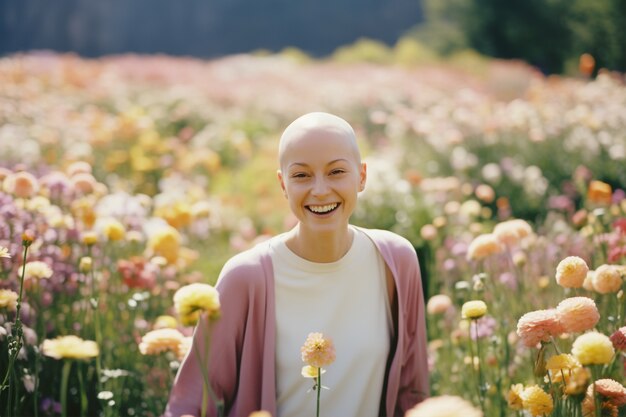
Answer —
248 267
389 240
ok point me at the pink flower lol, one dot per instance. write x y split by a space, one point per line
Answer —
610 390
483 246
618 338
607 279
578 314
318 351
571 272
511 232
22 184
438 304
539 326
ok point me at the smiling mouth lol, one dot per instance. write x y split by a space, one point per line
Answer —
323 209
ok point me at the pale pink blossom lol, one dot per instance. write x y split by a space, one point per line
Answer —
578 314
539 326
607 279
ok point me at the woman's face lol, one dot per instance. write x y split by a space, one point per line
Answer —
321 176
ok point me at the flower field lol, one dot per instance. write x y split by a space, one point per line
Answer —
126 179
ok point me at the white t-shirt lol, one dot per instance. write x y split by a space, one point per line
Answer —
347 301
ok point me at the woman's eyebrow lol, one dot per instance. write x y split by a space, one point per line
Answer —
303 164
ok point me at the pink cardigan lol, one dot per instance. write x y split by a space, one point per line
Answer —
242 362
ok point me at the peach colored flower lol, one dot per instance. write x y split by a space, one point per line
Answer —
485 193
571 272
578 314
428 232
577 381
21 184
510 232
514 397
79 167
444 406
618 338
318 351
606 408
161 340
588 282
84 183
539 326
537 401
8 299
483 246
593 348
599 192
607 279
610 390
474 309
438 304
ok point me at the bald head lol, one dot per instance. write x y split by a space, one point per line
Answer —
309 126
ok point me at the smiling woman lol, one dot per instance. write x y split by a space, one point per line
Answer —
360 287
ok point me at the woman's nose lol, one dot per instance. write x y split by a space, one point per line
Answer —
320 186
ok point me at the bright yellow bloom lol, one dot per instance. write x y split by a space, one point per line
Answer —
113 230
70 347
318 351
562 361
161 340
309 371
4 252
165 322
474 309
90 238
593 348
193 299
37 270
177 215
514 397
85 265
8 299
166 243
537 401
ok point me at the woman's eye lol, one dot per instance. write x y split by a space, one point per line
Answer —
337 171
298 175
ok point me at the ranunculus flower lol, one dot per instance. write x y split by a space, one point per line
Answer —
562 361
539 326
161 340
607 279
593 348
599 192
4 252
537 401
571 272
514 397
444 406
22 184
578 314
438 304
318 351
165 322
483 246
8 299
618 338
192 300
309 371
112 229
609 390
166 243
510 232
37 270
474 309
70 347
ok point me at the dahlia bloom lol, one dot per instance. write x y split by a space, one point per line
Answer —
483 246
578 314
193 299
539 326
474 309
618 338
571 272
537 401
69 347
607 279
444 406
318 351
593 348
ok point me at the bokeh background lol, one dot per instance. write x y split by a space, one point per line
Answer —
138 153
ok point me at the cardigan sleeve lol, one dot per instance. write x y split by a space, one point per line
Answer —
225 339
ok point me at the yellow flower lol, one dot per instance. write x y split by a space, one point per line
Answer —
537 401
593 348
318 351
85 265
474 309
90 238
562 361
260 414
70 347
514 397
37 270
166 243
8 299
113 230
4 252
177 215
165 322
161 340
571 272
193 299
599 192
309 371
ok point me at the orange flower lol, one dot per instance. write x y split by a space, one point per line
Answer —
539 326
610 390
599 193
578 314
607 279
318 351
618 338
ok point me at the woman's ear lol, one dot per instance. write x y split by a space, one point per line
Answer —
279 174
363 176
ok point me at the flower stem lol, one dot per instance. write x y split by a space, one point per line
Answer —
319 390
65 376
480 371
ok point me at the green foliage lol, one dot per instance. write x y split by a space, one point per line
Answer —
364 50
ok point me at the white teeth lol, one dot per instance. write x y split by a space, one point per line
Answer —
323 209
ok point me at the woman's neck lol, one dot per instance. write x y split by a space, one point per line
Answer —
318 247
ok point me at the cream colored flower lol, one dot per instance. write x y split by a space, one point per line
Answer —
37 270
444 406
510 232
309 371
70 347
593 348
165 322
85 265
161 340
514 397
571 272
8 299
483 246
438 304
193 299
607 279
474 309
4 252
318 351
